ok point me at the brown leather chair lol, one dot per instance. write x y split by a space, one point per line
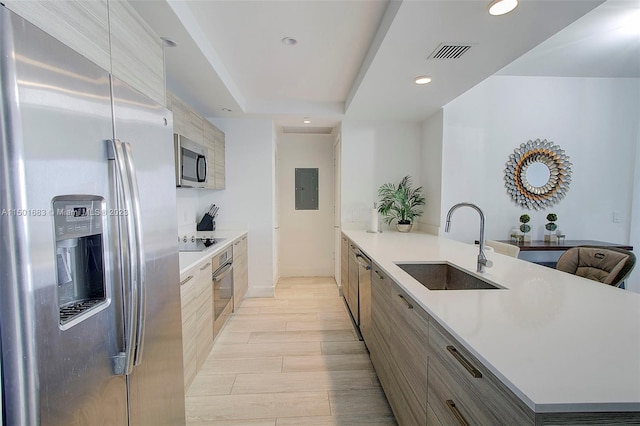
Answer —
608 265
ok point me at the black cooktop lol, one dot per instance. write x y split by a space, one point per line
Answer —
196 244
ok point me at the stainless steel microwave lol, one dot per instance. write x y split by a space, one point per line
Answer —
191 163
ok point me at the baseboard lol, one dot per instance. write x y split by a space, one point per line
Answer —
260 292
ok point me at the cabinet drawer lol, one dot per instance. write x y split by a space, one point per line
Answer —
461 388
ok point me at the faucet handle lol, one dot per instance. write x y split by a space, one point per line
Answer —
488 263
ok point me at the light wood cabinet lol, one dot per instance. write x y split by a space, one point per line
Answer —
185 121
194 286
204 314
378 343
462 390
240 271
109 33
214 140
408 347
81 25
137 56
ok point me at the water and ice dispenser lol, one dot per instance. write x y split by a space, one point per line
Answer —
79 225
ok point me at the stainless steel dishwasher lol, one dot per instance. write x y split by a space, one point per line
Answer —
358 295
364 294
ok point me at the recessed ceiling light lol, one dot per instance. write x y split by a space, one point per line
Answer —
306 121
289 41
500 7
168 42
227 109
423 79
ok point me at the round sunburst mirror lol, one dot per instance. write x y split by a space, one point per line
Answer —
537 174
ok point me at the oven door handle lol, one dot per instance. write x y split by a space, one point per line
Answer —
222 272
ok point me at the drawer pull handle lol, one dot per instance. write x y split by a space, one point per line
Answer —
236 243
205 266
466 364
379 275
186 280
406 302
456 413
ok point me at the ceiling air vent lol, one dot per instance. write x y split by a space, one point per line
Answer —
450 50
307 130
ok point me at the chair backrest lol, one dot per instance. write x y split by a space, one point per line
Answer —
609 265
503 248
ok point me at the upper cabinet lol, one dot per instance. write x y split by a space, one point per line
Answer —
214 140
189 123
109 33
137 57
185 120
81 25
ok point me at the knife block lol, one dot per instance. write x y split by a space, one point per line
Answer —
206 223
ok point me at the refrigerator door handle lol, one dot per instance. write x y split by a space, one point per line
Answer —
138 254
124 361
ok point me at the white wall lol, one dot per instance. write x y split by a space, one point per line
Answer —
431 172
187 210
306 236
375 153
594 120
247 200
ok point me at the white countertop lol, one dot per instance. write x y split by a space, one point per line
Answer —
191 259
560 342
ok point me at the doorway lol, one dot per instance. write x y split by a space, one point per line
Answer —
306 236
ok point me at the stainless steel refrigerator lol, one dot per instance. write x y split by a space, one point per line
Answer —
90 326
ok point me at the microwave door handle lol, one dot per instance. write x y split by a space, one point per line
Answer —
204 160
138 254
124 360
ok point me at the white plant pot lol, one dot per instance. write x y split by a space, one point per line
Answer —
404 228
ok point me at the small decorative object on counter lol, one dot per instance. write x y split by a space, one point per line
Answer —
550 235
525 228
560 236
514 235
400 203
374 226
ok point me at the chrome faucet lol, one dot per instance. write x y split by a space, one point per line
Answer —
482 259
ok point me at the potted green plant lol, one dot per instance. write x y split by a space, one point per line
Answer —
525 227
551 227
400 203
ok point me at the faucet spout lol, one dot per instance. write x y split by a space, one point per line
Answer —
482 259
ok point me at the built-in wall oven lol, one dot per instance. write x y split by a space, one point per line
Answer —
222 278
191 162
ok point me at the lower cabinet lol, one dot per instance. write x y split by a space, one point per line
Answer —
197 299
398 345
196 294
408 345
240 271
462 391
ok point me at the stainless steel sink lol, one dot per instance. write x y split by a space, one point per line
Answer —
442 276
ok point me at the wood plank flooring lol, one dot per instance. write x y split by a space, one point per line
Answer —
291 360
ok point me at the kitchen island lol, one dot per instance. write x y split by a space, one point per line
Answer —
560 343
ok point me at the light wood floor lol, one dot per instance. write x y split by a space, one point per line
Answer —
291 360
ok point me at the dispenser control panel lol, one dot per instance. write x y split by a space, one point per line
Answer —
77 217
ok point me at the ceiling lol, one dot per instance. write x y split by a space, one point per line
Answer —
358 59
